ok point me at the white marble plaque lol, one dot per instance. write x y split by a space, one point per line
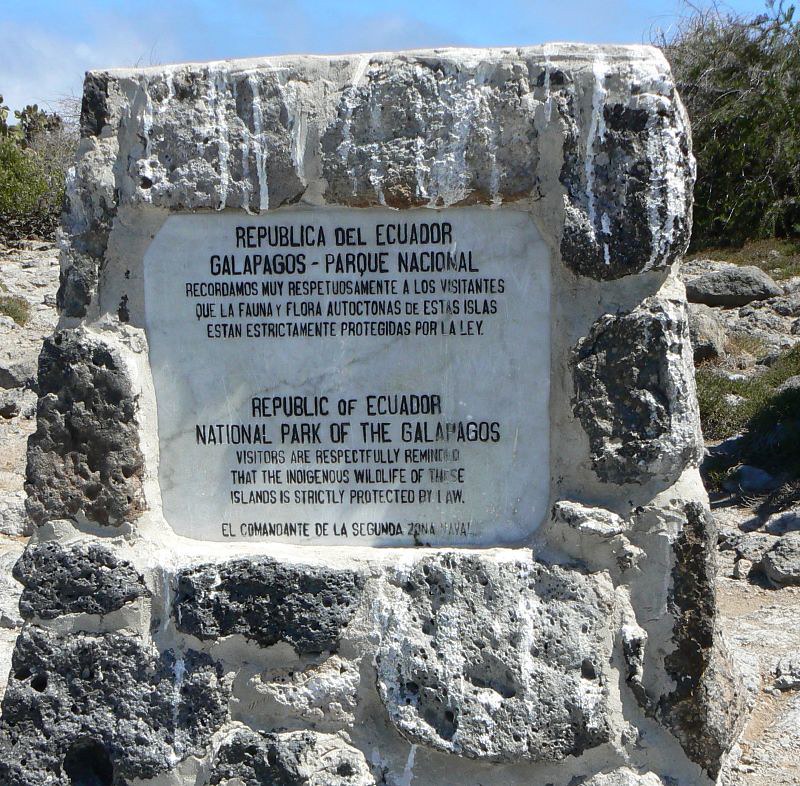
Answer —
352 377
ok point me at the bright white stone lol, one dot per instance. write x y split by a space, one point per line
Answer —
483 366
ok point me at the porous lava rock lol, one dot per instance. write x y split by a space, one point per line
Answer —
267 602
86 578
499 661
706 332
84 460
635 394
104 707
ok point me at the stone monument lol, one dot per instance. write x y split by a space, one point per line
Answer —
367 443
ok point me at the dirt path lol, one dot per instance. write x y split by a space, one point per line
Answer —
763 625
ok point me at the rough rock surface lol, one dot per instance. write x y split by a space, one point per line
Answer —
707 334
787 673
84 458
87 579
10 619
784 521
9 590
13 515
323 695
761 624
438 128
634 394
736 286
781 563
267 602
753 546
90 705
595 536
756 330
624 777
742 569
609 179
497 661
17 369
11 402
292 759
29 273
707 706
26 273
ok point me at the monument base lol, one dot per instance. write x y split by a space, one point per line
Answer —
563 629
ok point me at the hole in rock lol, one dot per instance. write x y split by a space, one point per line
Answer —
39 682
92 491
444 723
87 764
22 673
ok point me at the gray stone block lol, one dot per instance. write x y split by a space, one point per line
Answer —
735 286
781 563
268 602
86 706
499 661
84 459
634 394
707 333
84 578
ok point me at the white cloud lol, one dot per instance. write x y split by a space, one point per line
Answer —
42 67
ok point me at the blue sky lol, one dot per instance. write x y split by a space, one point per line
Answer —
48 44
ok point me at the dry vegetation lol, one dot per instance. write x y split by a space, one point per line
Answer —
740 80
35 154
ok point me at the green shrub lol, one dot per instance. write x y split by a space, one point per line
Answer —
23 181
34 157
768 419
738 77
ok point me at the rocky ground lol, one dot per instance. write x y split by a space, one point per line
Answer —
744 326
28 284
